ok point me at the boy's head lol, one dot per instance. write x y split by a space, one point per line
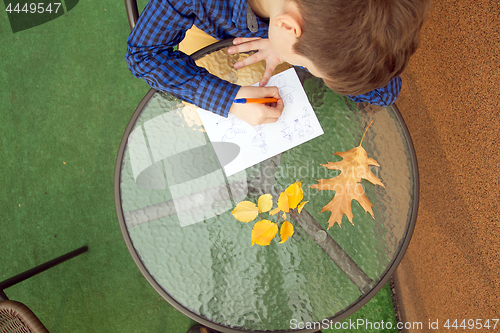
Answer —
355 46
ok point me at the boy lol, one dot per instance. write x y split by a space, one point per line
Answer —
357 47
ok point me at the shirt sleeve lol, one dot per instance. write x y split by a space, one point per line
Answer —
381 96
150 56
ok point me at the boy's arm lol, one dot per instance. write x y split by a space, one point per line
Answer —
384 96
150 56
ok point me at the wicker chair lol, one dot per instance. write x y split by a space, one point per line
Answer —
16 317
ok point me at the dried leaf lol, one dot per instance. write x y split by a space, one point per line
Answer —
354 167
265 203
295 194
301 205
286 231
263 232
283 204
274 211
355 163
245 211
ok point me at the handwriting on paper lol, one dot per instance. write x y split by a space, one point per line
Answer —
297 124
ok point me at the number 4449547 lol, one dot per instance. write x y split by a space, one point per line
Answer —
472 324
33 8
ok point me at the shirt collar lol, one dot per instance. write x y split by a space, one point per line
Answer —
244 17
252 24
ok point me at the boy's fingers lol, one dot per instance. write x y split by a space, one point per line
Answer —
272 114
267 75
241 48
275 111
241 40
254 58
280 105
272 92
246 46
270 120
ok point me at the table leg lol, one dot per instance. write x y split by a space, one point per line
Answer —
335 252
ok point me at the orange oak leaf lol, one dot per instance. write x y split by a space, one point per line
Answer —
355 165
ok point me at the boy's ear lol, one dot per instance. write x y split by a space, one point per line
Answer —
290 23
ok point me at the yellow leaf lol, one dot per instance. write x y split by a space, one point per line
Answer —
295 194
299 209
274 211
263 232
286 231
355 165
283 202
245 211
265 202
284 216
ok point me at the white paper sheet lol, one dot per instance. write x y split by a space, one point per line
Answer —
298 123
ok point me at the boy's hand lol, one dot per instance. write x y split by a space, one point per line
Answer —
255 113
265 52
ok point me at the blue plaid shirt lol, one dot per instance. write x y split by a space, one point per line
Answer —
163 24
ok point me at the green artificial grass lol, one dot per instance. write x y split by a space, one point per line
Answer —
66 96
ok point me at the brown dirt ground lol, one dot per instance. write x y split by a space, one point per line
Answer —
451 104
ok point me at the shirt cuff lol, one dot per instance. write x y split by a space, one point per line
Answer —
216 95
384 96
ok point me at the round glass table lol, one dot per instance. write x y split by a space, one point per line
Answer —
174 205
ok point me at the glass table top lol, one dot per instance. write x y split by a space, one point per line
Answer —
174 205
